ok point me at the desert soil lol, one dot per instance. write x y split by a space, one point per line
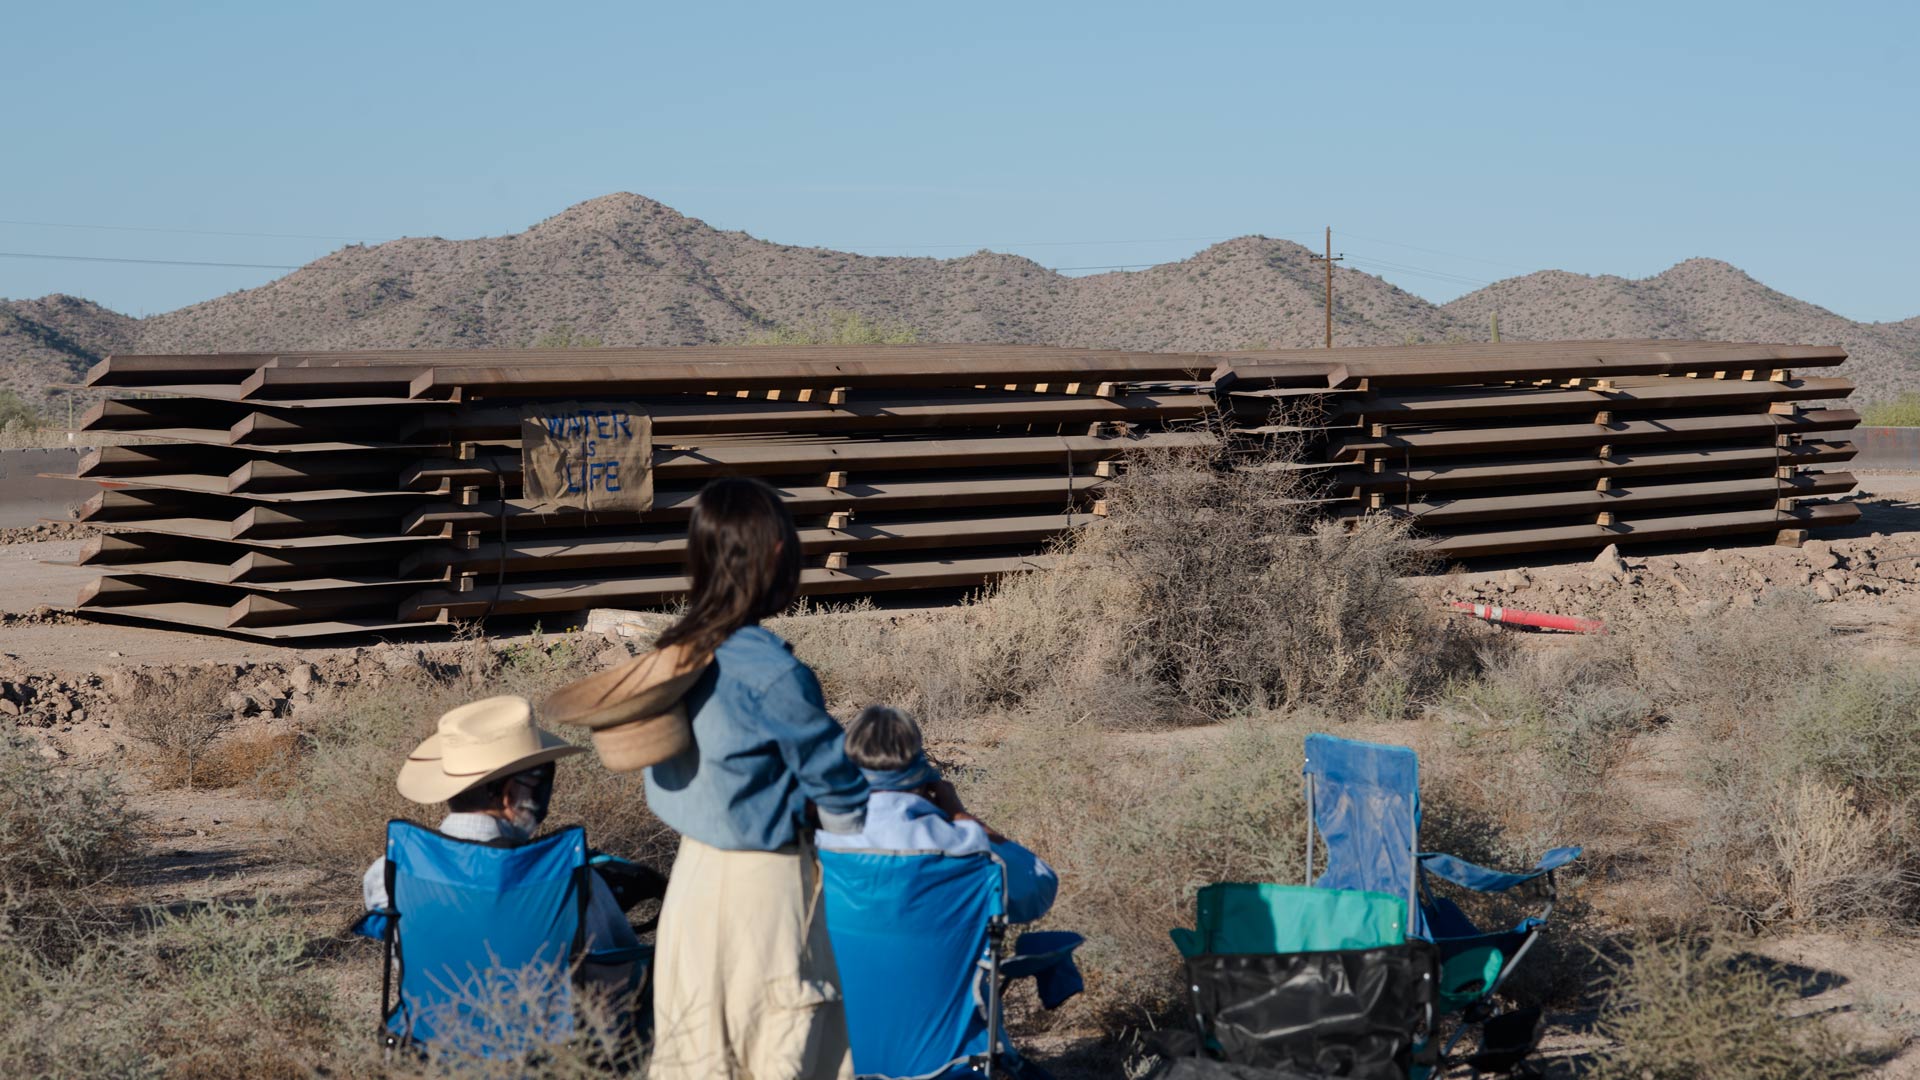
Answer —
59 675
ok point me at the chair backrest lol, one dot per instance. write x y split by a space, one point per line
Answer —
1364 799
1248 918
485 937
910 931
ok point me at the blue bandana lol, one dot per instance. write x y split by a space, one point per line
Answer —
917 773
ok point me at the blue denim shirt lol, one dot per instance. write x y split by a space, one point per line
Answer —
763 746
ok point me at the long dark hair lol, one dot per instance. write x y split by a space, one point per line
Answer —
744 557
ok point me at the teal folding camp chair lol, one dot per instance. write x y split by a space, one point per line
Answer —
1309 982
1364 800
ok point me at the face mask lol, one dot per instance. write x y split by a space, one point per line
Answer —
535 790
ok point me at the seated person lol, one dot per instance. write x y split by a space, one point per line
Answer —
495 771
910 808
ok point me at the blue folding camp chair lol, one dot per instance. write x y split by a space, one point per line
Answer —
918 939
486 940
1364 799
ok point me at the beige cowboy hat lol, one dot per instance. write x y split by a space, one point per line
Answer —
477 743
634 708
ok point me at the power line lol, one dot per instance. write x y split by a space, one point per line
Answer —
155 262
1403 268
1446 254
194 232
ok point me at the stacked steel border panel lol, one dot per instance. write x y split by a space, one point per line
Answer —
1518 447
298 494
305 494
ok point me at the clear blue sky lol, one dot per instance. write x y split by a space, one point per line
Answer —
1489 139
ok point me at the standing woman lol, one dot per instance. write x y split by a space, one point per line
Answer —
745 983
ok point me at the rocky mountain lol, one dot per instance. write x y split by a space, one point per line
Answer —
628 270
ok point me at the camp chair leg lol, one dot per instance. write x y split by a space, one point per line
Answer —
996 936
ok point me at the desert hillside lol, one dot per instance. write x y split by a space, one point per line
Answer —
630 271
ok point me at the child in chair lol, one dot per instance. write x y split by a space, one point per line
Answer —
911 808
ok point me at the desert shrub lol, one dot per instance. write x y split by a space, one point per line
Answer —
1242 600
63 832
1809 806
1721 669
343 793
16 412
1135 828
1540 733
1203 593
262 762
179 715
60 825
229 990
836 328
1902 411
1697 1010
1860 729
1574 703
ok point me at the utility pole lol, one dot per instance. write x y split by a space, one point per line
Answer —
1329 258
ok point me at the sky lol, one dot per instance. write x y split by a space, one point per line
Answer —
1448 145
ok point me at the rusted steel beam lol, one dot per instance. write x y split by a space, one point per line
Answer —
1636 498
748 459
1638 530
1500 401
1626 464
580 594
670 545
1673 429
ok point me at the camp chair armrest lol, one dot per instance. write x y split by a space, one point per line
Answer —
1480 879
373 924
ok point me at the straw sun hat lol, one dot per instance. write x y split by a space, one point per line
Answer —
634 709
477 743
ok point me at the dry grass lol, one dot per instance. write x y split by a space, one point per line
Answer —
228 990
1136 828
64 832
1539 737
179 715
1811 811
1697 1010
493 1039
1719 670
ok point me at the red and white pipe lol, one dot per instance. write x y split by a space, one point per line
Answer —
1572 624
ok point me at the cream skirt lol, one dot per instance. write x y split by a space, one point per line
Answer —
745 985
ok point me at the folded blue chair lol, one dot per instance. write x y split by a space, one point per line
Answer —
486 941
918 938
1364 799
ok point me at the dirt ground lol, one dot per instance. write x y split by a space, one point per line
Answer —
59 676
